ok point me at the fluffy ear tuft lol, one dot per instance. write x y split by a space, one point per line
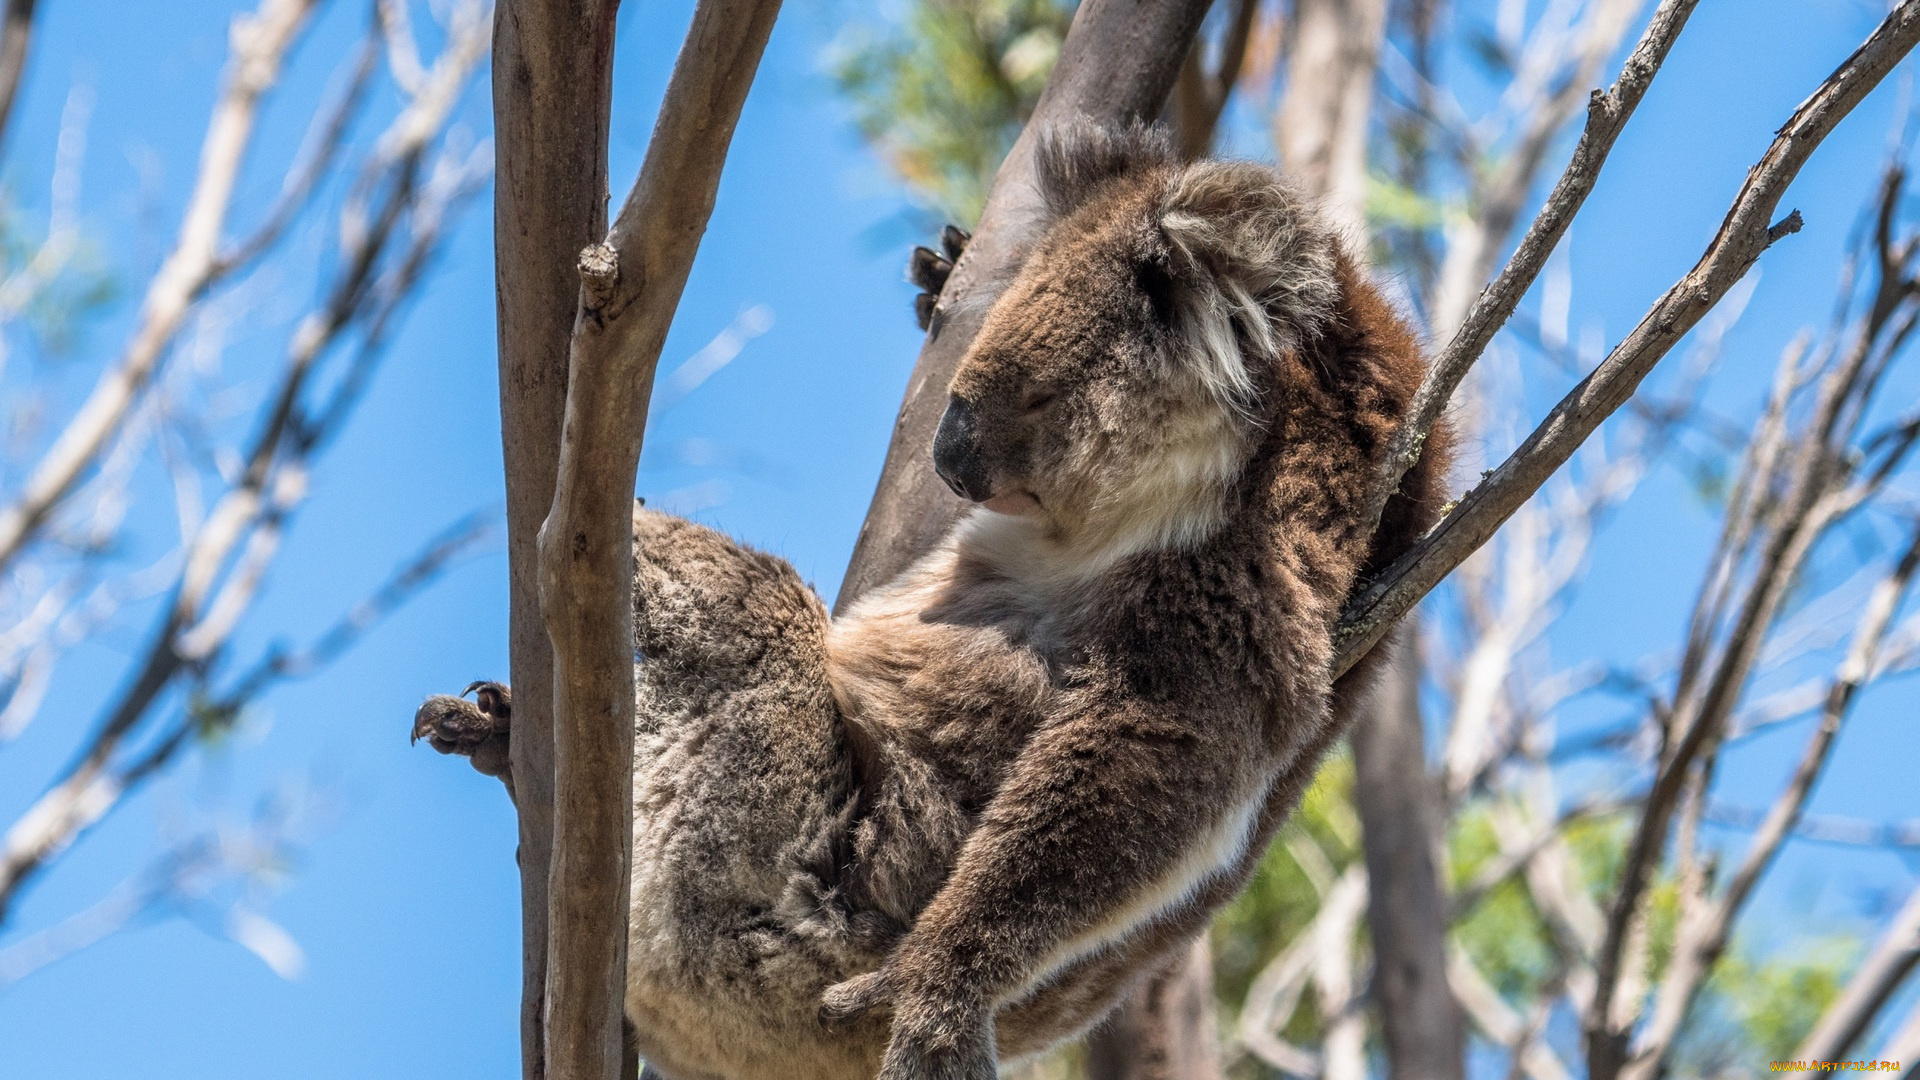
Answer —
1260 265
1075 159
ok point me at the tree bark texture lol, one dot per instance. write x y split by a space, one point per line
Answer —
552 91
1421 1023
630 285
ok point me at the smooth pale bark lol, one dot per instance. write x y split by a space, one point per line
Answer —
1421 1022
1321 129
1165 1032
552 91
1333 50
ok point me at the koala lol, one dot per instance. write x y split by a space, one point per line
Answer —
958 824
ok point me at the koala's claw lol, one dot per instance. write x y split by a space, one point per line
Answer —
928 270
477 730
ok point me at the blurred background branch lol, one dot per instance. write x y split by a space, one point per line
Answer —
387 194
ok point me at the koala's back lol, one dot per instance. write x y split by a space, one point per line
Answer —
770 861
741 784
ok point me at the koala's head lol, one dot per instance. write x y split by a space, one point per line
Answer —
1124 376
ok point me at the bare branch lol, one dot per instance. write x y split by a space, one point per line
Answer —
93 788
1792 508
1501 1023
210 596
1872 985
1607 116
1515 858
1276 991
1705 929
324 140
1742 237
259 44
552 92
16 35
1823 828
630 286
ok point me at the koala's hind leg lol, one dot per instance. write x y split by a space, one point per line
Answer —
741 745
741 784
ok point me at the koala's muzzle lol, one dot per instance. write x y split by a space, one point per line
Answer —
956 452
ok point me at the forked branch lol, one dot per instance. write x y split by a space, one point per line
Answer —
260 44
1746 232
630 286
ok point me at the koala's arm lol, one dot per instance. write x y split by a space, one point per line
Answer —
1097 816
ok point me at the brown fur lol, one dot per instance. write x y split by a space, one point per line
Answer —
1078 722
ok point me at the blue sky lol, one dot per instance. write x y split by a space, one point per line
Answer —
405 902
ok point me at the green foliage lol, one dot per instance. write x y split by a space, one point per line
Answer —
58 285
1391 204
1778 999
1504 933
1281 899
1758 1008
943 93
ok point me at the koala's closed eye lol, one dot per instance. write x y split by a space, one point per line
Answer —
1038 399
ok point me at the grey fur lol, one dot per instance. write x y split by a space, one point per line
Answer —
960 823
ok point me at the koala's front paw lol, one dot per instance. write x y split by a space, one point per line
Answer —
478 730
942 1045
929 269
933 1036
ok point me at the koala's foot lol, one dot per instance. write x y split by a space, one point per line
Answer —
929 269
477 730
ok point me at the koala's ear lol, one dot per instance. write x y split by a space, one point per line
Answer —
1255 266
1075 159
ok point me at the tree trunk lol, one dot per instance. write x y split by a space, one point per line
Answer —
1420 1021
552 89
1333 48
1322 128
1166 1031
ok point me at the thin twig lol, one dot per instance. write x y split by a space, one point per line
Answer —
1607 115
1742 237
1703 933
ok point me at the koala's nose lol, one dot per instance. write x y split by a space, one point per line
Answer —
956 452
